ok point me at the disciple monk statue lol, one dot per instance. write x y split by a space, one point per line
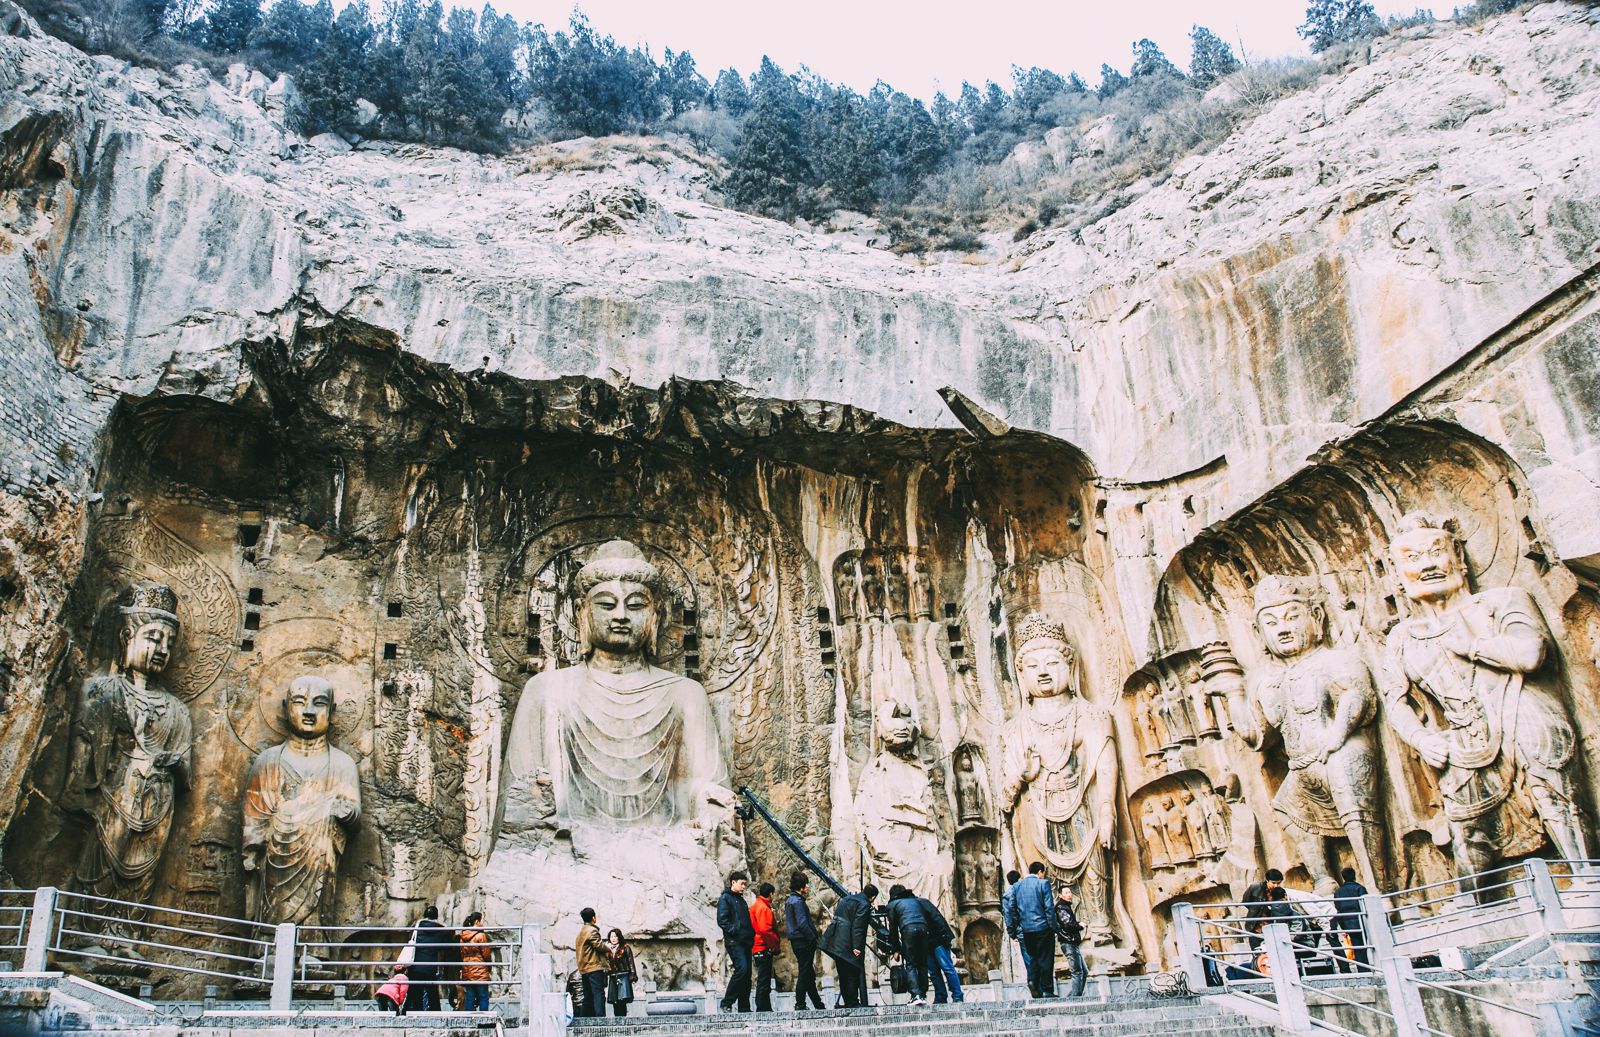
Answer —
1320 700
130 756
894 807
622 741
1194 813
1180 841
1155 836
1060 774
302 798
1505 750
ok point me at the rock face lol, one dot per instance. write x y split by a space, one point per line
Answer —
369 411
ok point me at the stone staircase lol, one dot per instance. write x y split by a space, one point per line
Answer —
1142 1017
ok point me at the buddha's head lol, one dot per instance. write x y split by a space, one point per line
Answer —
617 601
1427 558
149 614
895 726
1289 616
1046 661
308 706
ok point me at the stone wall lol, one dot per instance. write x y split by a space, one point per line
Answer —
367 413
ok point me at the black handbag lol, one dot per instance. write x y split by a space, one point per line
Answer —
619 988
899 980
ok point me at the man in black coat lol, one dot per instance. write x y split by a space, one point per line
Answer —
908 930
432 940
845 941
941 963
739 937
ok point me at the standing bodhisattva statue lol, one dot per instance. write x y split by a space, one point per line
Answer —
302 798
1506 746
1321 701
131 745
622 741
1060 775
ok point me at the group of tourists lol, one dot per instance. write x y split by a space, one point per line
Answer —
440 963
1040 917
1340 928
913 936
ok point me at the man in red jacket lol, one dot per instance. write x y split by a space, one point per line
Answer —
766 944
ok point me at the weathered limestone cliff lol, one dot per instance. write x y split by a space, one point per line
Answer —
367 410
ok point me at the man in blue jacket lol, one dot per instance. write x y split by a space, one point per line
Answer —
739 937
802 930
1032 915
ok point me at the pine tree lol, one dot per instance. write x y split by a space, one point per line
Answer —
499 39
1148 61
771 169
847 160
230 23
682 85
1112 83
1329 22
1210 59
333 79
730 94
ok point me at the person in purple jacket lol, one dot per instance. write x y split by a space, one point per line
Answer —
802 931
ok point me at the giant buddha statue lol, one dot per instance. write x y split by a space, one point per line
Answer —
614 779
622 741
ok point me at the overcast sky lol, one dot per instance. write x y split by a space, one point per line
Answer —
933 44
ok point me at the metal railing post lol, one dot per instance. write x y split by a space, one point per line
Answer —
1545 895
41 925
1191 946
1394 966
1293 1014
283 941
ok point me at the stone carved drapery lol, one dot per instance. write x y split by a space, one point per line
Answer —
131 751
302 797
1321 702
1504 755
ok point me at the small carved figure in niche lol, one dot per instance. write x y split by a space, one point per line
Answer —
845 591
1199 701
1179 842
1178 714
899 592
1147 716
922 587
1155 836
1141 727
1321 701
1507 745
872 587
1160 722
1216 819
1194 816
894 806
970 801
132 742
301 800
1061 775
622 741
979 874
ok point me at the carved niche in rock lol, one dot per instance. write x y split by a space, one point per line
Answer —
977 869
1505 753
132 742
972 805
1320 701
302 798
1060 776
894 806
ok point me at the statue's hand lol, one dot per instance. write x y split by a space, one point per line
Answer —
1032 767
1433 748
251 858
344 808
